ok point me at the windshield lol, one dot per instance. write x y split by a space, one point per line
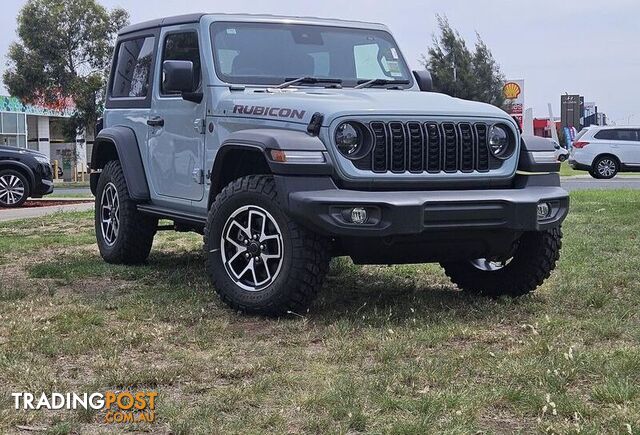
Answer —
272 53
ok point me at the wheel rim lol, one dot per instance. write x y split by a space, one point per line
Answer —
606 167
11 189
110 214
251 247
487 265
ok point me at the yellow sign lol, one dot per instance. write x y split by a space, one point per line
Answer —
511 90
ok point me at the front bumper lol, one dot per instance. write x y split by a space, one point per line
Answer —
321 206
44 187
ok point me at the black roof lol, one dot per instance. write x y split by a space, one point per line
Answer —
168 21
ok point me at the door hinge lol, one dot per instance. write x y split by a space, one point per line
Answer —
199 125
198 175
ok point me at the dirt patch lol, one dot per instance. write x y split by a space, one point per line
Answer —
37 204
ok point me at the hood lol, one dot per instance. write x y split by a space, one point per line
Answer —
299 105
20 151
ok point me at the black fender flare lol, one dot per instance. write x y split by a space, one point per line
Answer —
126 145
21 167
536 144
264 140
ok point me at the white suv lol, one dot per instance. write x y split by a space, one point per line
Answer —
605 151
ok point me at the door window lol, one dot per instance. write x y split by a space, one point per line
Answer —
133 68
183 46
622 134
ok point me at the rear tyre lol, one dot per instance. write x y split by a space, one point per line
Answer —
124 235
605 167
534 258
14 188
258 259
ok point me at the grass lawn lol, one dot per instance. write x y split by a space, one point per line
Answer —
568 171
383 350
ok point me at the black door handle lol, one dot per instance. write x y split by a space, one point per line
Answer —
155 122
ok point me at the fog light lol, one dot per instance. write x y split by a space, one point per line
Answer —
359 216
544 210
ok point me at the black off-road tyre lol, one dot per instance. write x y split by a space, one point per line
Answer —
304 256
533 260
12 185
135 232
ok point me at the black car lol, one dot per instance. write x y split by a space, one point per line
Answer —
23 174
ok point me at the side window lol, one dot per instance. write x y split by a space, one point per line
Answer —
133 68
607 134
629 135
183 46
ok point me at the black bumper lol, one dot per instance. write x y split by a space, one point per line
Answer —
43 187
318 204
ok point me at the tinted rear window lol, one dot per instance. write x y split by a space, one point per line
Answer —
132 75
626 134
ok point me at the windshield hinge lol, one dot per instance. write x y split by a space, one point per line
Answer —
199 125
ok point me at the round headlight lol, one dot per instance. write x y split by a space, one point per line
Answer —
349 138
499 139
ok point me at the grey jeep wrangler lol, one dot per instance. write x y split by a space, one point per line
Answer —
287 141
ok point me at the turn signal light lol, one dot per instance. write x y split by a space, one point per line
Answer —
580 144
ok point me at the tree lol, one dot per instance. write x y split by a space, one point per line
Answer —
459 72
64 51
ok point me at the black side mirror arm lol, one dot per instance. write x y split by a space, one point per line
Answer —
194 97
425 82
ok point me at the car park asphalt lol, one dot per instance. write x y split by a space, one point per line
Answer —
26 213
583 182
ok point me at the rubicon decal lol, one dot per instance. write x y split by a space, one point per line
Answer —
276 112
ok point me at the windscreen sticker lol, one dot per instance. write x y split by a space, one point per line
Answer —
231 31
394 68
394 53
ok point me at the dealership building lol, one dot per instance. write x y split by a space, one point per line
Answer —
41 128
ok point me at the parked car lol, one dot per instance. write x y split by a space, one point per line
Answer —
288 141
606 150
23 174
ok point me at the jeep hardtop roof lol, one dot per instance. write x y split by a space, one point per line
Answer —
195 18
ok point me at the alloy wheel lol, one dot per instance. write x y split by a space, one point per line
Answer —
110 214
252 248
11 189
488 265
606 167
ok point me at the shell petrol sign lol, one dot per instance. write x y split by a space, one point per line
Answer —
513 91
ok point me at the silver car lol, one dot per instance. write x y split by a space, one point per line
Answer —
606 150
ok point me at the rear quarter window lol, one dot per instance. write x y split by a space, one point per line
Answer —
132 74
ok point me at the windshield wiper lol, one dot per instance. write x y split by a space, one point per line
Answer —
380 82
309 80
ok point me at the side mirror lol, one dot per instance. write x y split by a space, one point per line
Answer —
177 76
425 83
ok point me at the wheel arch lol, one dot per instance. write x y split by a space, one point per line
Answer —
236 160
607 154
21 168
120 143
246 153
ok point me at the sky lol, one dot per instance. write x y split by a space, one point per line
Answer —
586 47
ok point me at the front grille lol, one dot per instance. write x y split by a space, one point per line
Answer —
431 147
